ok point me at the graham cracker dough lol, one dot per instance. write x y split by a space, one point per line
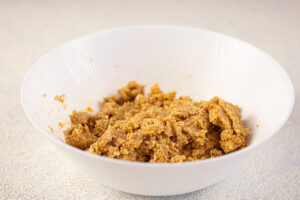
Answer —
158 127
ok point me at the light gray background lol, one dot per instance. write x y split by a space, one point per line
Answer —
31 168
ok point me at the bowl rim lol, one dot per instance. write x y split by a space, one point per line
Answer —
159 165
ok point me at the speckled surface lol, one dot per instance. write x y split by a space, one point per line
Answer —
31 168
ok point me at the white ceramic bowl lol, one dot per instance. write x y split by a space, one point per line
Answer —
195 62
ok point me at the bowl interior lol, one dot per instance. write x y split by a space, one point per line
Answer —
194 62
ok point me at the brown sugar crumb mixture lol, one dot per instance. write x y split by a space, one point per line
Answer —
158 127
60 98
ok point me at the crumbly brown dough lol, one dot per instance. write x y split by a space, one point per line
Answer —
158 127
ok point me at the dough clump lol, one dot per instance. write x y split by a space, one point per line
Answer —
158 127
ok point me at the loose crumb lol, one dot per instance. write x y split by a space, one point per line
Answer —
60 98
158 127
257 126
60 125
51 129
45 95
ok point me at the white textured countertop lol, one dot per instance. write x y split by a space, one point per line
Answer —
31 168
